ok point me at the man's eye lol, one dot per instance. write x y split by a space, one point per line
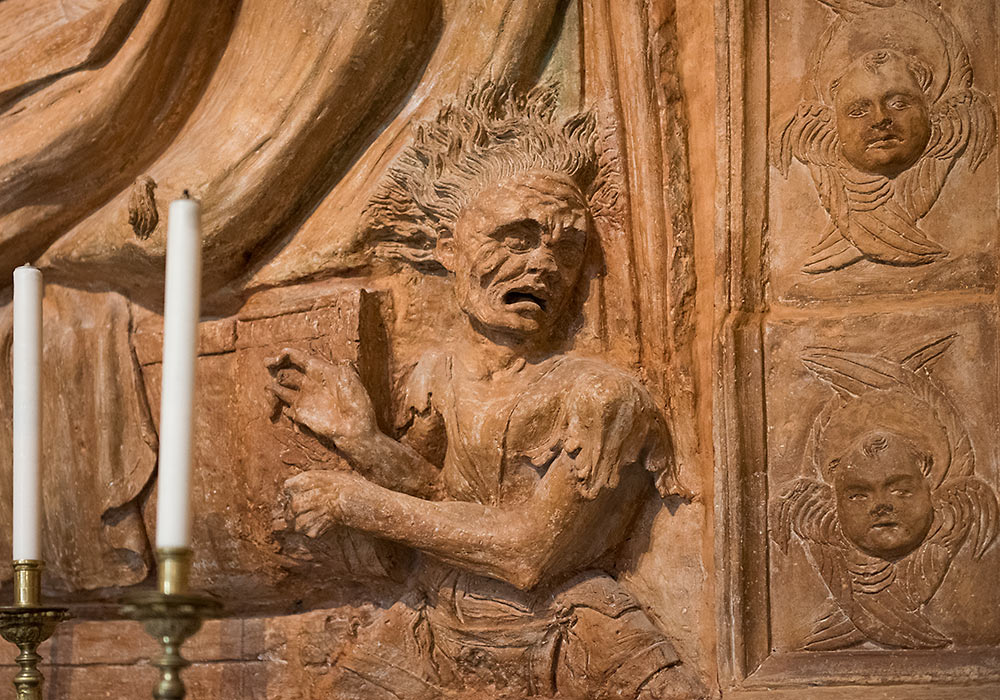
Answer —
901 492
518 244
857 497
899 103
518 237
857 111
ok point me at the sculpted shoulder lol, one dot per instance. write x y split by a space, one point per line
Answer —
606 422
595 384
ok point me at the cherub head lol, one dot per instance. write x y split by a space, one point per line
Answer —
499 193
896 497
882 112
885 454
883 494
888 109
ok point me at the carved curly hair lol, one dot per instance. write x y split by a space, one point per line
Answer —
493 134
874 61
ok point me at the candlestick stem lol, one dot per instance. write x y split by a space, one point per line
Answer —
27 624
171 616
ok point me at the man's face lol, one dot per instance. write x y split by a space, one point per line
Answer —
884 500
882 117
518 251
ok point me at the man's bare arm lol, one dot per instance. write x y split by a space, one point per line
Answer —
556 530
393 465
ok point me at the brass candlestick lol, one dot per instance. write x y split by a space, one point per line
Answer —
171 615
27 624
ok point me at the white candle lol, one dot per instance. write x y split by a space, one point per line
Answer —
180 335
27 413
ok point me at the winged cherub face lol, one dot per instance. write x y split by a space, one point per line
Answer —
883 497
518 251
882 114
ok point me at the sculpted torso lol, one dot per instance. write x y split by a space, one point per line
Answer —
518 468
545 446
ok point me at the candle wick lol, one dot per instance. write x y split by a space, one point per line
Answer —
186 194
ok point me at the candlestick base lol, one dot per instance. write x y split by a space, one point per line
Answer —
27 627
171 619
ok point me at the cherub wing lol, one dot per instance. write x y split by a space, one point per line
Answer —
851 373
867 223
882 230
872 605
966 510
869 595
871 598
806 509
964 124
882 609
810 136
975 508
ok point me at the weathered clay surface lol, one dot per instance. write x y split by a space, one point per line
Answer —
888 487
883 129
471 268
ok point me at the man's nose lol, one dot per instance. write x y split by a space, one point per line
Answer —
541 259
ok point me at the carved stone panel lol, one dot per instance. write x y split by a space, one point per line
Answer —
856 405
882 473
883 168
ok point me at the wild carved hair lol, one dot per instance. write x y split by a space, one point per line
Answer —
493 134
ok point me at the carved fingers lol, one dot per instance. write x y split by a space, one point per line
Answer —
328 399
314 500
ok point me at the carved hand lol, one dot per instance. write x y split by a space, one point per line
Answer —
315 500
328 399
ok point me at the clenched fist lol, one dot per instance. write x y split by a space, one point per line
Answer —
314 501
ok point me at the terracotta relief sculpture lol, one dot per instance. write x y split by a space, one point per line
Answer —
519 467
894 498
889 109
257 107
518 491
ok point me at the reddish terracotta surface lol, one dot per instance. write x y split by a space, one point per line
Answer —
549 349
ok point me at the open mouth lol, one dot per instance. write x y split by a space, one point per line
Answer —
520 298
